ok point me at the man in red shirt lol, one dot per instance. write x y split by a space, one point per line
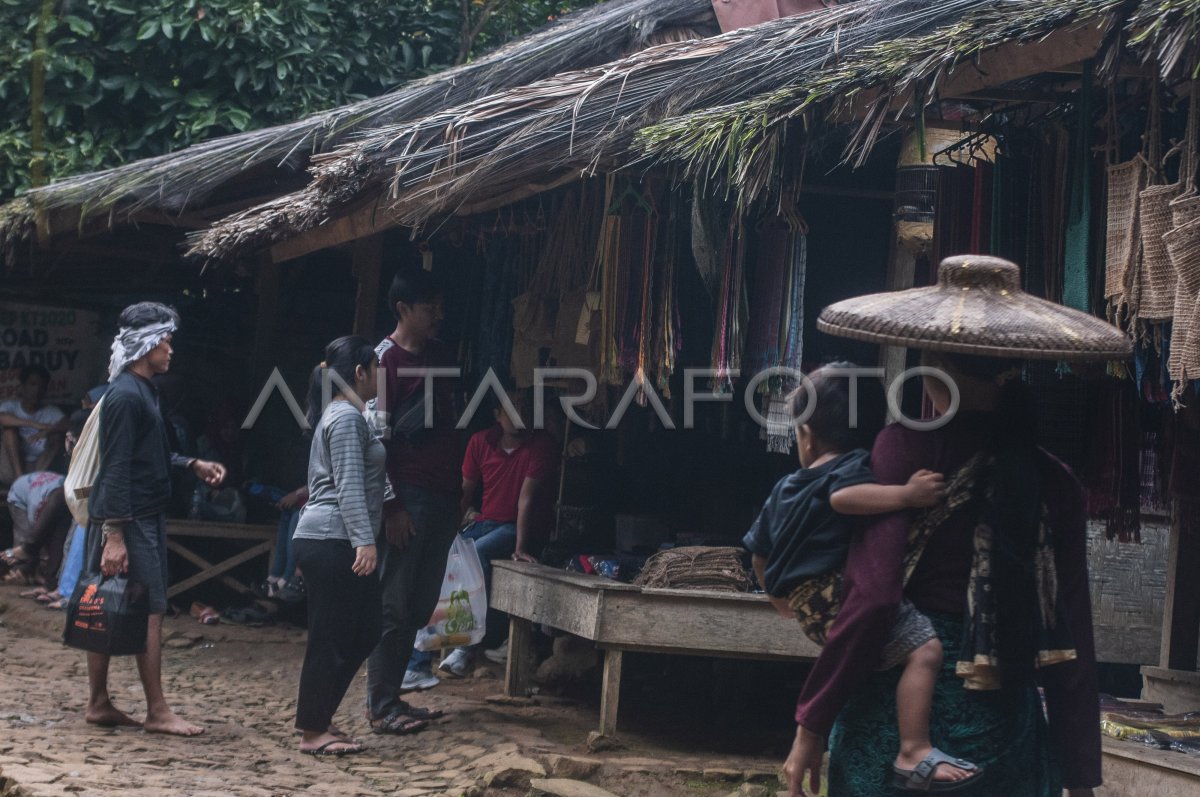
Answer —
514 466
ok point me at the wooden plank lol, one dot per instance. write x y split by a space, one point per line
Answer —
367 259
204 565
216 570
610 692
520 657
223 531
704 624
1181 609
563 605
361 220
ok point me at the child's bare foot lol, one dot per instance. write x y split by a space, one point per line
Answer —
108 716
946 769
171 723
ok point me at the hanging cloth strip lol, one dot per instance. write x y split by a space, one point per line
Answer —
1112 474
608 264
1079 207
667 340
731 313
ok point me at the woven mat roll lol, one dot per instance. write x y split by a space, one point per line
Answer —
1125 182
696 567
1156 301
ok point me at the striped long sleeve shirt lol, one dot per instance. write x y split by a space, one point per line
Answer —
346 479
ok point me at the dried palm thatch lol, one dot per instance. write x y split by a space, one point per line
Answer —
574 122
182 180
740 142
696 567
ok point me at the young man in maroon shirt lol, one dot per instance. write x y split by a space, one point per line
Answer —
513 465
422 518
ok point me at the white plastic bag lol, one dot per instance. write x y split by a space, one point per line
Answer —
84 465
461 613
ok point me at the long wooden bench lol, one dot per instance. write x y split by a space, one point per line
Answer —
263 537
620 617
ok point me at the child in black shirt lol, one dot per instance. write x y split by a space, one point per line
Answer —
803 534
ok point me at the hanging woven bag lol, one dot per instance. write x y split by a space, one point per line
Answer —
1185 259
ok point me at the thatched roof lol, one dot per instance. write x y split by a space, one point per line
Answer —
739 141
572 123
185 179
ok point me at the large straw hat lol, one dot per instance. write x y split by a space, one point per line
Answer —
977 307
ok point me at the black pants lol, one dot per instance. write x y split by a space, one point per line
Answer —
344 620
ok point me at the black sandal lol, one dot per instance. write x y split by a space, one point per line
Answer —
921 777
352 748
419 713
398 723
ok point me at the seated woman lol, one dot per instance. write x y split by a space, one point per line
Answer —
1000 568
40 523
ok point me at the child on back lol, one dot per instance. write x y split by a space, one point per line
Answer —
801 538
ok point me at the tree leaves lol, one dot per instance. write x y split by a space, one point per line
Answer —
129 80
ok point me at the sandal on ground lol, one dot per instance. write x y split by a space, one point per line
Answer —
920 778
10 558
348 748
398 723
205 615
419 713
49 597
36 593
248 616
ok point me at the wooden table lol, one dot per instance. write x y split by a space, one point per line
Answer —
262 535
620 617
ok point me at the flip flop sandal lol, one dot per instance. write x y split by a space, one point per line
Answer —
920 778
49 597
10 558
324 750
419 713
398 723
35 593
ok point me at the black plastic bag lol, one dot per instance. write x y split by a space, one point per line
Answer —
108 615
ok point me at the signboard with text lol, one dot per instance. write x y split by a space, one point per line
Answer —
64 341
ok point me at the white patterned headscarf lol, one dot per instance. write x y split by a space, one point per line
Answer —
133 343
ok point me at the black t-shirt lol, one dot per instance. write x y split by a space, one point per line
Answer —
797 531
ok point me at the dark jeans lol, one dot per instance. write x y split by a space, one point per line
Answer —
344 616
411 581
283 565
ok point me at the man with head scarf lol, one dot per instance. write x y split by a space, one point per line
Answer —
128 500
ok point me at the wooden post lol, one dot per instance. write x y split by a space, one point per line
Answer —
901 274
1181 609
266 330
516 671
610 692
367 258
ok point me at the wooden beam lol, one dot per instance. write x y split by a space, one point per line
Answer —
361 220
367 261
998 66
610 692
517 194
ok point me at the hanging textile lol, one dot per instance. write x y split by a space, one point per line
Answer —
667 339
1113 476
768 282
1054 211
609 271
1079 207
981 218
731 310
572 241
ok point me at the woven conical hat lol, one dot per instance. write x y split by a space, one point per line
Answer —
977 307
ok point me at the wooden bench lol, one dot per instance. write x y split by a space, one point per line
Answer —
263 537
620 617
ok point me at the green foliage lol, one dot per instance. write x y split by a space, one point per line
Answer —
128 79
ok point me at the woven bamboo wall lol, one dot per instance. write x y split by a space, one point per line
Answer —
1129 585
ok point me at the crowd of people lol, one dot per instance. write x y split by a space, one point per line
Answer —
972 514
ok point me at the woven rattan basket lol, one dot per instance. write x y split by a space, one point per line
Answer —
1183 243
1156 298
977 307
1123 246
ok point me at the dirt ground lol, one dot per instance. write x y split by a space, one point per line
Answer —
240 683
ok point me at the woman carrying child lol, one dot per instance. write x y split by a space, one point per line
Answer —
335 542
998 567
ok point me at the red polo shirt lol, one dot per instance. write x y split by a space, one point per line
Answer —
502 473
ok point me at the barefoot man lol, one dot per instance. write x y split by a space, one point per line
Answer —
127 533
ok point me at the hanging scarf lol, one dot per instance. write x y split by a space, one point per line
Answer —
1079 205
132 344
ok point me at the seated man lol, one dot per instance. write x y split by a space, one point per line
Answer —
40 522
512 465
31 431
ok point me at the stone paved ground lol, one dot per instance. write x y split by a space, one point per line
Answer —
240 682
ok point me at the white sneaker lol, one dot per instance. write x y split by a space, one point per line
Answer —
418 680
456 663
498 655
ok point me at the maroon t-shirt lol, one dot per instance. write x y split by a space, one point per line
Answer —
502 474
430 459
873 584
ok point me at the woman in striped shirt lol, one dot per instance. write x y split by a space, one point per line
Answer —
335 541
